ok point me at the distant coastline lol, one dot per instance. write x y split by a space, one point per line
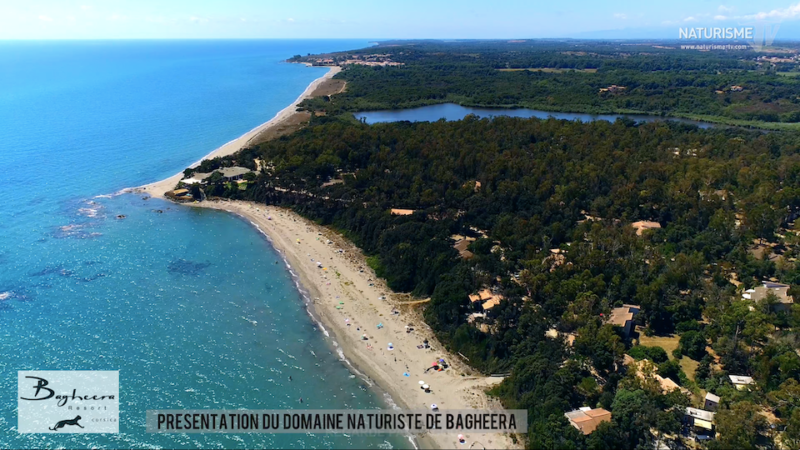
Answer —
158 188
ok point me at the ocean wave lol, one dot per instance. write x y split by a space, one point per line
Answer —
116 194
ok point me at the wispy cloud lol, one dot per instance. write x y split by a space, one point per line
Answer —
721 17
196 19
621 16
45 18
725 9
792 12
290 19
690 19
86 7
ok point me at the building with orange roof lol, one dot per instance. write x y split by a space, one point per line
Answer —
586 419
623 317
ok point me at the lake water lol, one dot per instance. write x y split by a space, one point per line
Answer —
194 308
452 111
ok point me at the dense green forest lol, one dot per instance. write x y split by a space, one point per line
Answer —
539 179
550 205
656 80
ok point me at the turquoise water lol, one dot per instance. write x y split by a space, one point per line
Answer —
451 111
194 308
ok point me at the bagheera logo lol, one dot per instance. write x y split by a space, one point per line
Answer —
41 385
68 401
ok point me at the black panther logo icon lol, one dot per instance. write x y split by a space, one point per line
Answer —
63 423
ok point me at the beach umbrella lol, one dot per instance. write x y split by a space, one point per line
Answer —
425 386
434 407
391 347
421 383
460 437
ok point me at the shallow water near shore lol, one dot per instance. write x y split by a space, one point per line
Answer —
194 307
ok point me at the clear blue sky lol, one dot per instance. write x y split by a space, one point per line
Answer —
376 19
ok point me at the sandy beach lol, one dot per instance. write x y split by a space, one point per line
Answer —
351 303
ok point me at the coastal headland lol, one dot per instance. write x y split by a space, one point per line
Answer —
381 334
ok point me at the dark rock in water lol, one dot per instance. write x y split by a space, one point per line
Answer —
120 216
158 211
50 270
93 277
184 267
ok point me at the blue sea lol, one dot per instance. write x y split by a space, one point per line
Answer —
194 308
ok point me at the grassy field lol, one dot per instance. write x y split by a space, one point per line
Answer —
689 367
670 343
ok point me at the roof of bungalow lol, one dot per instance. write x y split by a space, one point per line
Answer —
701 414
461 245
198 177
642 225
586 420
402 212
712 397
619 316
492 302
666 384
740 379
780 290
234 171
489 299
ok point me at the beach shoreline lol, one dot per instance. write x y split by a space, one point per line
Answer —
344 297
348 301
